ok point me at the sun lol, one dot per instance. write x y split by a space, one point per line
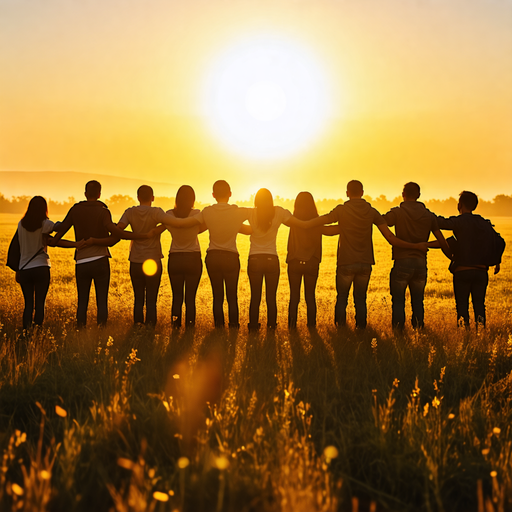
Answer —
266 97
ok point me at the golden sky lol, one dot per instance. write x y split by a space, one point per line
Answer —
416 90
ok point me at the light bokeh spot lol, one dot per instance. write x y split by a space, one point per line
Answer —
149 267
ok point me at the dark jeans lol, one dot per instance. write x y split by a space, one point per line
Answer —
263 266
412 273
145 290
99 272
359 275
297 270
224 269
34 282
470 282
185 269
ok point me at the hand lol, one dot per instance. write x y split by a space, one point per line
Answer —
81 244
153 233
497 268
422 246
87 243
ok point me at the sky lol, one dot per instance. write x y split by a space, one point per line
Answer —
410 90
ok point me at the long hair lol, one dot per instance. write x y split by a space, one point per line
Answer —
36 213
265 210
184 202
305 207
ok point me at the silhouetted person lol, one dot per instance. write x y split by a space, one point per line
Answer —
142 219
413 223
265 221
224 221
185 266
34 275
92 219
304 256
469 268
356 218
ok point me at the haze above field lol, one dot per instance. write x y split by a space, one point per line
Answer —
416 91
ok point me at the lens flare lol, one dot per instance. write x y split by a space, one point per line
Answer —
149 267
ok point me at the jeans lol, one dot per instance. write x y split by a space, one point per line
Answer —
296 271
470 282
412 273
263 266
224 269
99 272
185 269
359 275
34 282
145 290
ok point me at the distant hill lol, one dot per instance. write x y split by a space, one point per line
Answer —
59 186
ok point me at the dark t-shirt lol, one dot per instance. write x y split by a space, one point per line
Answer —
468 230
355 218
90 219
413 223
304 244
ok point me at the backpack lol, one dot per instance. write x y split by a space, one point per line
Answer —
14 254
493 244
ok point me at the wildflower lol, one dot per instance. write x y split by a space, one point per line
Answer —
45 475
425 409
395 383
16 489
161 496
171 493
494 474
496 430
436 402
175 376
183 462
451 416
485 451
221 462
125 463
60 411
330 452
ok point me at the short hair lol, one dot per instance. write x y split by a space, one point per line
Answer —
93 189
355 187
411 190
469 200
221 189
145 193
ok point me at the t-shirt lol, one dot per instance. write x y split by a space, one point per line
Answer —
304 244
142 219
223 221
264 242
31 242
90 219
413 223
356 218
184 239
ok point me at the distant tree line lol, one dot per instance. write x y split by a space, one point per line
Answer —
500 206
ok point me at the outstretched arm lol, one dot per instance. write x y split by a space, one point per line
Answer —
443 244
331 230
245 229
68 244
313 223
396 242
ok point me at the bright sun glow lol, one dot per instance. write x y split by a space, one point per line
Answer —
149 267
266 98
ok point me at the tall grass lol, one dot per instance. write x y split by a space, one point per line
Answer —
129 419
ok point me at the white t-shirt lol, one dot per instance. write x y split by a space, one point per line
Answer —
223 221
184 239
264 242
143 219
31 242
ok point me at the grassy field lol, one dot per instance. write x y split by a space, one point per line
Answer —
131 420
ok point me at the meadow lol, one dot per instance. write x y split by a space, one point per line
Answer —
325 419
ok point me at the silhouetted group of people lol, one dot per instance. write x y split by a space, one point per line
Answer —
352 221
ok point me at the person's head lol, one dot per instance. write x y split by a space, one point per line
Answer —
411 191
354 189
93 190
221 191
36 213
185 199
305 207
467 201
265 212
145 194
